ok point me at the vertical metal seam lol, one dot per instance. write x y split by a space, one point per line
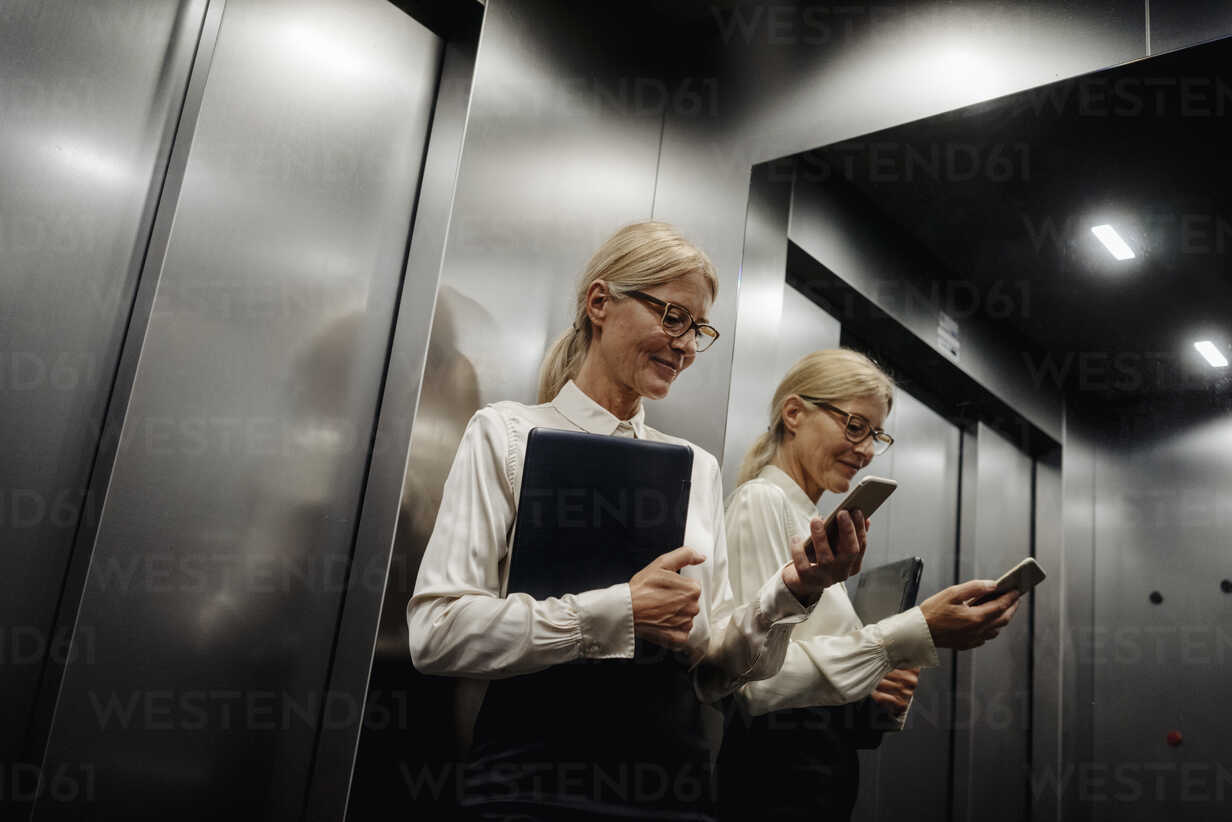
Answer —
654 191
958 520
1148 26
1032 534
367 475
168 191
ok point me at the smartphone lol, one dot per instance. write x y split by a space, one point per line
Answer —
1022 578
867 496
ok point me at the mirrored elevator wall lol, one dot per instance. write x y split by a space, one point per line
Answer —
215 289
973 501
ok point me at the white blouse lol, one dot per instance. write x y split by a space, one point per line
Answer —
462 623
833 658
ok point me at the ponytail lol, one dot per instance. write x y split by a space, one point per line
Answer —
563 360
761 454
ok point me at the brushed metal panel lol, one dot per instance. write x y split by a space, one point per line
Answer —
89 100
964 663
913 767
1000 704
225 539
1047 644
1161 524
805 327
1077 697
374 623
1177 25
758 333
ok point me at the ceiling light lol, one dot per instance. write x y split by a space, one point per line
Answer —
1213 355
1113 242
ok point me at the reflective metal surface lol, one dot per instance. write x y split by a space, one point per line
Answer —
1162 520
911 769
999 709
223 547
1048 643
374 622
793 76
760 324
1078 610
90 102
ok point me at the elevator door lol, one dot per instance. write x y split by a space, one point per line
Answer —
222 553
909 774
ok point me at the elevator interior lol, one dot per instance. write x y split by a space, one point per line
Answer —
262 259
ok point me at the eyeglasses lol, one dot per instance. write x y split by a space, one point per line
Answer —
677 321
856 428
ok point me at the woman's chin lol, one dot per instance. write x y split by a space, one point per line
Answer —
656 387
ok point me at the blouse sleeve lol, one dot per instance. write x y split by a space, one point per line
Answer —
823 669
746 641
460 624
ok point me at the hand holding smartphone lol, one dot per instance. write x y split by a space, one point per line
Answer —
866 497
1021 578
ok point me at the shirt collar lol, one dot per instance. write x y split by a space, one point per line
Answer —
577 407
795 494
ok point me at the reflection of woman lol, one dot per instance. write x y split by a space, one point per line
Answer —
614 739
826 423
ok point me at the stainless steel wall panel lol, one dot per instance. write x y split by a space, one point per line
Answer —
758 330
1161 524
224 543
805 327
965 693
922 520
1000 703
1177 25
1048 639
1077 686
387 493
89 98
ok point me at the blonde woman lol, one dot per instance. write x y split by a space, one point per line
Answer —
558 741
826 423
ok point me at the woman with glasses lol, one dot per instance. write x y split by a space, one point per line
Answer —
825 425
563 742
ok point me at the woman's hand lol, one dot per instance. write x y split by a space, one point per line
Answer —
955 624
893 692
806 578
664 602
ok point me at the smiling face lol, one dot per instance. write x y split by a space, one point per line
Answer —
828 459
637 354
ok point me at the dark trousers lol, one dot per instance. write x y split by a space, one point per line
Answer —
797 764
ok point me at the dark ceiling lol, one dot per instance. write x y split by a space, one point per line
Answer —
1002 195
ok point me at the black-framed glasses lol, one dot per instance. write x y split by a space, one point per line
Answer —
856 428
678 321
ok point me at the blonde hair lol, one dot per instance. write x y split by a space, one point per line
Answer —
832 375
639 256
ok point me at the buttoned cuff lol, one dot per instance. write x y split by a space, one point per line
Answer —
778 604
605 618
908 642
